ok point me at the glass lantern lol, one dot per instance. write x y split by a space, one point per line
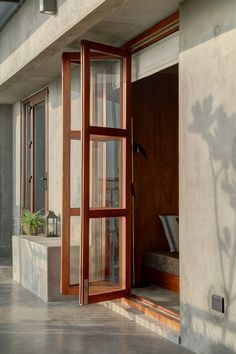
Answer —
50 224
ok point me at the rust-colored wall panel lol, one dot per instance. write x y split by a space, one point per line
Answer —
155 117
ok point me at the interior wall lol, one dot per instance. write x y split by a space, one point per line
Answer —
208 174
155 122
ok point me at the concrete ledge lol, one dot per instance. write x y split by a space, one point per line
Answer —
36 265
162 261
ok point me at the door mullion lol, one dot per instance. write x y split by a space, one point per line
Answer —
84 269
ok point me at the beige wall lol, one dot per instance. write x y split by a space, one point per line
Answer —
208 174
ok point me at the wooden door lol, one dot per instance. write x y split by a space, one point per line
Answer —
103 244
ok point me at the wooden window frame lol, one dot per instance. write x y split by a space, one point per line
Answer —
33 100
160 30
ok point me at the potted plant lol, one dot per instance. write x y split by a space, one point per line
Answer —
32 223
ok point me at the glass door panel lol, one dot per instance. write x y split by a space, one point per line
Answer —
105 256
106 196
75 227
105 93
75 93
105 172
27 157
40 179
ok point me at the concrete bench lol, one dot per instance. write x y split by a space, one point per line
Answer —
36 265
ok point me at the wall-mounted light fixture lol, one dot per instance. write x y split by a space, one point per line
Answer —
48 7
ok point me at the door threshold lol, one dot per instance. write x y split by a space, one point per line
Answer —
167 317
155 306
157 319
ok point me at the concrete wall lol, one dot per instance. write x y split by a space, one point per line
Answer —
33 29
55 147
16 165
208 173
33 54
5 179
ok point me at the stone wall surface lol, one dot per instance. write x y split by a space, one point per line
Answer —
208 174
5 179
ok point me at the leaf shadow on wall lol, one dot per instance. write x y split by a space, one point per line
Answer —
218 130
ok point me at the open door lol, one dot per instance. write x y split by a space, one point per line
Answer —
103 243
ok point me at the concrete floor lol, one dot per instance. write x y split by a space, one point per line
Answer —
29 326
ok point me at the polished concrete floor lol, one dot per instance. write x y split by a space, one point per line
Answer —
29 326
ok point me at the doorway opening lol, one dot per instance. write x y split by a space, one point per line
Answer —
155 190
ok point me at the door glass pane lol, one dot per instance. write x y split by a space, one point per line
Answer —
39 157
75 97
27 157
105 247
75 173
75 235
105 79
105 173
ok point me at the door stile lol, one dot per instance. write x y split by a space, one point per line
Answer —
68 287
84 256
65 242
127 114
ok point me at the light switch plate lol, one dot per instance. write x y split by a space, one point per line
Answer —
218 303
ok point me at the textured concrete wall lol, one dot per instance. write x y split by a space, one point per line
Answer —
32 54
16 165
33 29
208 173
5 179
55 147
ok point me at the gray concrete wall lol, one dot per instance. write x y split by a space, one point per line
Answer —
31 43
31 38
16 165
208 173
55 147
5 179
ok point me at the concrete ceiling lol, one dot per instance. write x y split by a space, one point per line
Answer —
130 19
125 22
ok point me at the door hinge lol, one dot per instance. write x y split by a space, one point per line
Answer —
29 109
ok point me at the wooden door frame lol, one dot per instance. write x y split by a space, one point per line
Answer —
125 133
68 135
154 34
33 100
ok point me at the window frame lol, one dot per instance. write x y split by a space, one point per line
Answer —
33 100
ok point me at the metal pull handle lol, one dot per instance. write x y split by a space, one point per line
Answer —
43 179
30 179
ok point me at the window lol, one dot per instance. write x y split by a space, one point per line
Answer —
34 152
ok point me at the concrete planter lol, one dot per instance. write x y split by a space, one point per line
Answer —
36 265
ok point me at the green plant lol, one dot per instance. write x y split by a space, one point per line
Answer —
32 223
